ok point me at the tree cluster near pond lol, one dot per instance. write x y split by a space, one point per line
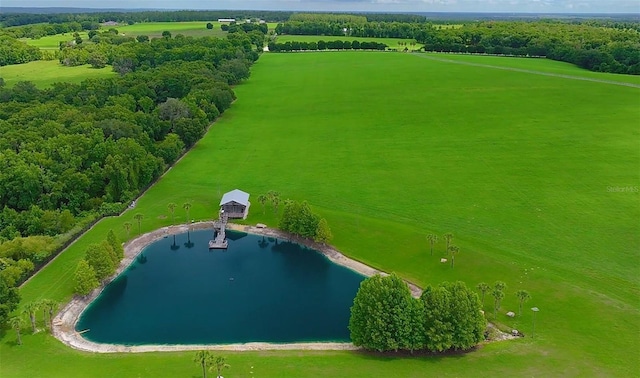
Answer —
298 219
385 317
100 263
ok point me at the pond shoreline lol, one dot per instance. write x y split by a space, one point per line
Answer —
65 321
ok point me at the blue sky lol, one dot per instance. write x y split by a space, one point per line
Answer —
540 6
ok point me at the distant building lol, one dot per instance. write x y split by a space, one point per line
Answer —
226 20
109 23
235 204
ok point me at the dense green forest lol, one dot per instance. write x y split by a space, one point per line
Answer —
74 152
594 45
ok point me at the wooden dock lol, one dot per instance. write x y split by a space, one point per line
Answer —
219 231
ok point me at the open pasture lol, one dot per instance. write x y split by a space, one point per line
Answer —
534 175
535 64
188 28
43 73
52 42
393 43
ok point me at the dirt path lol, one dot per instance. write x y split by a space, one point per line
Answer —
571 77
64 323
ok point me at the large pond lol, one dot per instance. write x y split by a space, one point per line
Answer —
259 289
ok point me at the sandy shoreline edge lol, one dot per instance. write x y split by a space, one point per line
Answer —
65 321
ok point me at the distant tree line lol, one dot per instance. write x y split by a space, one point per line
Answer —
132 17
385 317
592 46
325 45
18 19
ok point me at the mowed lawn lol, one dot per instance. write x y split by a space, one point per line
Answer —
43 73
393 43
526 170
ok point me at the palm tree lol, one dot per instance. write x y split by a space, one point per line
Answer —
203 358
138 217
172 209
523 296
42 305
187 206
52 306
433 239
16 323
453 250
274 198
498 295
499 285
448 237
127 227
31 308
220 363
483 287
262 199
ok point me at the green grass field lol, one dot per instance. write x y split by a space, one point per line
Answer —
52 42
155 29
390 147
536 64
391 42
43 73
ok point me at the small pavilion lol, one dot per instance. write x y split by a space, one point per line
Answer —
235 204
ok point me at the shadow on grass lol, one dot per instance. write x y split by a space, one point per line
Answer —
11 343
422 355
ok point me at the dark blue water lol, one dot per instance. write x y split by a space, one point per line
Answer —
257 290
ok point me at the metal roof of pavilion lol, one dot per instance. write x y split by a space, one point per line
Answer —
236 195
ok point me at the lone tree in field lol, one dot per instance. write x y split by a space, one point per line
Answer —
523 296
448 237
172 209
209 25
187 208
483 288
498 295
138 217
263 200
31 309
453 250
16 323
127 227
85 278
433 239
220 363
203 358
